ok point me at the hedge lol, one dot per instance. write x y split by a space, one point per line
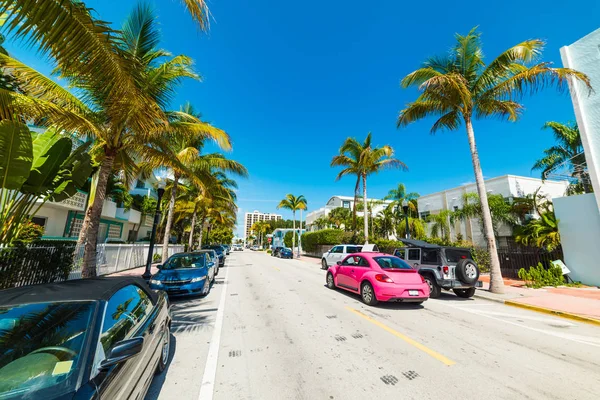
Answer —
39 262
311 240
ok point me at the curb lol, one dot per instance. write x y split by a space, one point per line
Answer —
479 296
556 313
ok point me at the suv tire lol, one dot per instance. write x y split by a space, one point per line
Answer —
324 264
434 289
467 271
465 293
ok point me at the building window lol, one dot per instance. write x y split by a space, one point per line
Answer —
76 228
425 214
346 204
455 208
114 231
140 184
41 221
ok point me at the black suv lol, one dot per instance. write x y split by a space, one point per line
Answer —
442 267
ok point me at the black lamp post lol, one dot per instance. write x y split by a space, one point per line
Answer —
161 191
405 209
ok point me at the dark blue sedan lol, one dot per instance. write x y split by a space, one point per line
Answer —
185 274
219 250
285 252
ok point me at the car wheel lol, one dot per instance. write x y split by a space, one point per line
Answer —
164 351
465 293
324 264
434 289
368 294
330 281
467 271
206 287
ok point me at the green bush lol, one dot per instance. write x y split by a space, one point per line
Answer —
311 240
482 258
269 251
29 232
157 257
538 277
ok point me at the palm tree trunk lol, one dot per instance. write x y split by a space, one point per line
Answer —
88 236
202 220
293 231
496 282
165 247
365 213
191 240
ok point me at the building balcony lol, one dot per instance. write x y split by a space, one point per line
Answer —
132 216
109 209
76 202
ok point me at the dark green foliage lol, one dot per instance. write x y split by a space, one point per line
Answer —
39 262
29 232
539 276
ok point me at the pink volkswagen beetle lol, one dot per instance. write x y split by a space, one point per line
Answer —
378 277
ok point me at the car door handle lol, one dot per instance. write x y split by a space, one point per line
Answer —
351 270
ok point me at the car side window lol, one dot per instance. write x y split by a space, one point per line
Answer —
125 312
414 254
352 249
362 262
400 253
350 261
337 249
429 256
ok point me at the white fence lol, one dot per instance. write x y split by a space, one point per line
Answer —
113 258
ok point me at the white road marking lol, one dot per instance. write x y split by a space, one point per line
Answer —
590 341
210 370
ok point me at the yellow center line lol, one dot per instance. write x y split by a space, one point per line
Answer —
408 340
277 268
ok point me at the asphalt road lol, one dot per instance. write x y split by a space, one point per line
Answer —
281 334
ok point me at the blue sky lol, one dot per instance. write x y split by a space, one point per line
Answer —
290 81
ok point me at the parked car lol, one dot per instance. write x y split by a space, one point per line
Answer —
214 257
98 338
255 248
227 248
219 250
185 274
338 253
378 277
238 247
285 252
443 267
276 251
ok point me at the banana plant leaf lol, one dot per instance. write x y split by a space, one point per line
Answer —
16 154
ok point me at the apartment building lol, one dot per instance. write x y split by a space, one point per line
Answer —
509 186
255 216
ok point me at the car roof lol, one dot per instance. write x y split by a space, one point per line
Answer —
101 288
372 254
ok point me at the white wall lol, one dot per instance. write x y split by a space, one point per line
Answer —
579 227
56 220
584 56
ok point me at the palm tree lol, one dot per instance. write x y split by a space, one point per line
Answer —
399 195
460 87
542 232
294 204
502 212
568 151
440 224
340 216
187 144
362 159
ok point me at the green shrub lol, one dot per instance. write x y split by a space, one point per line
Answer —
157 257
482 258
311 240
538 277
269 251
29 232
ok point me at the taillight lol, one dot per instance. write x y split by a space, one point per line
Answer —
383 278
445 269
422 279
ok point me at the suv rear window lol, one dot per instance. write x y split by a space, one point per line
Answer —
353 249
455 255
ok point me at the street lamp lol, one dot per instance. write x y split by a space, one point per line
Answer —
405 209
160 191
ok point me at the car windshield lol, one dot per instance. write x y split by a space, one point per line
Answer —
287 249
42 346
453 256
187 261
391 263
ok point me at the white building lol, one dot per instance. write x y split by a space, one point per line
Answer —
509 186
579 216
64 219
255 216
344 202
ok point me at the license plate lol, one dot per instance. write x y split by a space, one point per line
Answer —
413 292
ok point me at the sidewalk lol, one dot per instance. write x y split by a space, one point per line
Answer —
136 271
581 304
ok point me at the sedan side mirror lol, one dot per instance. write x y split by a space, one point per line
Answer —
211 264
339 263
159 266
122 351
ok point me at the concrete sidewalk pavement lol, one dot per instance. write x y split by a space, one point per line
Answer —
581 304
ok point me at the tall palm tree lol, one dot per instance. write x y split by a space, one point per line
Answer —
399 195
293 203
440 224
362 159
459 87
568 151
187 145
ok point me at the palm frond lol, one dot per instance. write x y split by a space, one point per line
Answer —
503 109
198 9
419 110
449 121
